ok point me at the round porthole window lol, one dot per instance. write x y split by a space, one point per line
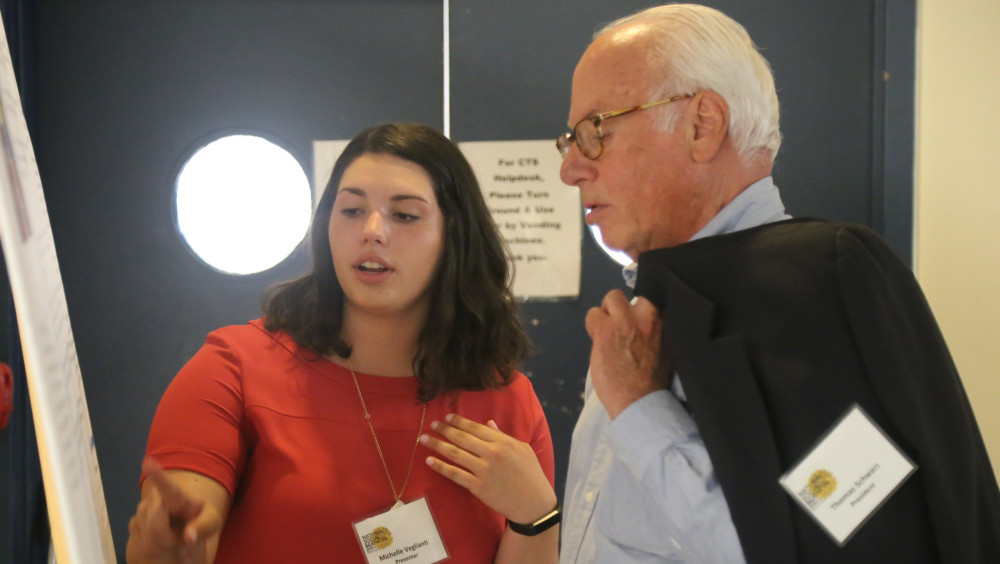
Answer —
243 204
617 256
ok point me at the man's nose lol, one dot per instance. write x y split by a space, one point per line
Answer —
575 167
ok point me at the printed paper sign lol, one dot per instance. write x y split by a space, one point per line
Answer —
538 215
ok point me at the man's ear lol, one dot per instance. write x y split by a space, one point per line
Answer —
711 124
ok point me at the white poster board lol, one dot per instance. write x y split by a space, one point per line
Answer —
74 494
539 217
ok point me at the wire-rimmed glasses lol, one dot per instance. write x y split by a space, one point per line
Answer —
588 135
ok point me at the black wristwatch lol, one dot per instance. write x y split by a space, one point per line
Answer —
543 524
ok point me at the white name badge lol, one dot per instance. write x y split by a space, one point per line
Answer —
848 475
405 533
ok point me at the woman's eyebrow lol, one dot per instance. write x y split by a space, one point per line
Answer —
355 191
400 197
395 198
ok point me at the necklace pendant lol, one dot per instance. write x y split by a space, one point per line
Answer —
399 503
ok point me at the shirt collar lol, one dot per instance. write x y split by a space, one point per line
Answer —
758 204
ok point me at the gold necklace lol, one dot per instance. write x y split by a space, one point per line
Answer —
368 419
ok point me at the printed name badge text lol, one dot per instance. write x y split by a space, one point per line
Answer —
404 534
848 475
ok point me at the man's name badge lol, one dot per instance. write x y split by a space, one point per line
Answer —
405 533
848 475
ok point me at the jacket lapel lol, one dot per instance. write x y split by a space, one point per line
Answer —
727 406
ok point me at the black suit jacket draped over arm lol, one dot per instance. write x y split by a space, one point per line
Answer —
775 332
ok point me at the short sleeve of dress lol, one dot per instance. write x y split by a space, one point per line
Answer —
198 425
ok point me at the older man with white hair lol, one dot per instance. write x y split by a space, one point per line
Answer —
780 392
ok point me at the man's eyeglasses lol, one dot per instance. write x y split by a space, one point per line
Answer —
588 135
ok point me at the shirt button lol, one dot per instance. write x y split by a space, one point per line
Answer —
589 497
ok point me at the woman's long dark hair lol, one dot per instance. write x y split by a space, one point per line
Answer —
473 331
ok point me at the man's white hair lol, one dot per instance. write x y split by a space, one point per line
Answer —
695 48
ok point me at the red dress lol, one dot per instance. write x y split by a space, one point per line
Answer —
287 438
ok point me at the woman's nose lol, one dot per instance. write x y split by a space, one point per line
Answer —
374 231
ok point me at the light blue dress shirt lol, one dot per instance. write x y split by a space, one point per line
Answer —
641 488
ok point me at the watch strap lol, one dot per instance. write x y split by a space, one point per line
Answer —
539 526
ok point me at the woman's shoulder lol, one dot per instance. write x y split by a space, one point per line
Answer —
253 332
250 341
519 383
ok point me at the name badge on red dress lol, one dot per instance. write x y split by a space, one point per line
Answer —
404 533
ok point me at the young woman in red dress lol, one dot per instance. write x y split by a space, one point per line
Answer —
375 413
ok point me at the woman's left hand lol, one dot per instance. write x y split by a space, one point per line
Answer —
500 470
